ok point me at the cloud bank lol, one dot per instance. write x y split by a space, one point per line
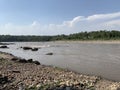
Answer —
109 21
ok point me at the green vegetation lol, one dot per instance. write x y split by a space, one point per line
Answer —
93 35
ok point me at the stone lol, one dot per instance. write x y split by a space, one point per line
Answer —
14 71
22 61
3 47
3 79
14 59
30 60
34 49
114 87
49 53
21 86
27 48
36 62
38 86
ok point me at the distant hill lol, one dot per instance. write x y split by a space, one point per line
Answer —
93 35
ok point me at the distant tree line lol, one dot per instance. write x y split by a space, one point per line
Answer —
93 35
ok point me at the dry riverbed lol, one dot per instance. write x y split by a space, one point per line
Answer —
28 75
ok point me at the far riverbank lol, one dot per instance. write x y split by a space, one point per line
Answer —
90 41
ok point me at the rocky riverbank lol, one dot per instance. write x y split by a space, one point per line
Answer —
27 75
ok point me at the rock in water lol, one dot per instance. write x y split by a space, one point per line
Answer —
34 49
49 54
3 47
27 48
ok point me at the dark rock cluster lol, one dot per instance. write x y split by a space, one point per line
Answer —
30 48
25 61
3 46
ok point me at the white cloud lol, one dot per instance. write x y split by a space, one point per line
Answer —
80 23
104 16
113 23
74 21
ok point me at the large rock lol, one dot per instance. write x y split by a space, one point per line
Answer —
30 48
3 47
27 48
22 61
30 60
36 62
34 49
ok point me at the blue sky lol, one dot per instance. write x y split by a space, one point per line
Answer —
51 17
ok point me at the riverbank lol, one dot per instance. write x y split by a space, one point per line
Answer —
91 41
78 41
15 75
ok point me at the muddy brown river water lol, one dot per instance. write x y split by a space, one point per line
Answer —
101 59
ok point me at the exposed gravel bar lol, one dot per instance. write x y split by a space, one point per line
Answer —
15 75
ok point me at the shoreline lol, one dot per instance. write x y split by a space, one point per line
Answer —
92 41
99 41
35 76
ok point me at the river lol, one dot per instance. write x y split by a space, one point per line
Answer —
101 59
